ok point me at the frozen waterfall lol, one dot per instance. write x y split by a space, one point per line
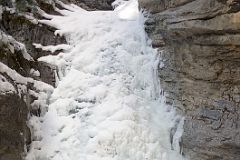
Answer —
107 104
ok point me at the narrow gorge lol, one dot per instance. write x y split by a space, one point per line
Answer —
119 80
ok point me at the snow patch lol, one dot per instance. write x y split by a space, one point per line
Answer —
6 87
35 73
52 48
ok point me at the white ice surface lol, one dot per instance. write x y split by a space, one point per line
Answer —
53 48
107 105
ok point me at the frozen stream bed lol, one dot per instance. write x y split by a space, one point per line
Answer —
107 104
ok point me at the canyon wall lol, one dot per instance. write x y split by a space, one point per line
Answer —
200 40
25 83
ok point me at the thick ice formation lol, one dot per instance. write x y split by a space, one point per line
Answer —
107 105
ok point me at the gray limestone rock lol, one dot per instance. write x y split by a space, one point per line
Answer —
93 4
201 72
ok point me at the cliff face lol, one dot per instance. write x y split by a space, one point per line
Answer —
92 5
24 88
201 72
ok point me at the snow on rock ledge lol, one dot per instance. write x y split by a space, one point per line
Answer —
19 96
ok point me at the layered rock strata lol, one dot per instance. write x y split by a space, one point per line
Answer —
201 72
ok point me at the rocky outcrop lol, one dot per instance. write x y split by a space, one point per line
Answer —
15 137
92 5
19 22
20 98
201 72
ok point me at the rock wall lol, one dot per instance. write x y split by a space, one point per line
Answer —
93 4
22 93
201 73
20 97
